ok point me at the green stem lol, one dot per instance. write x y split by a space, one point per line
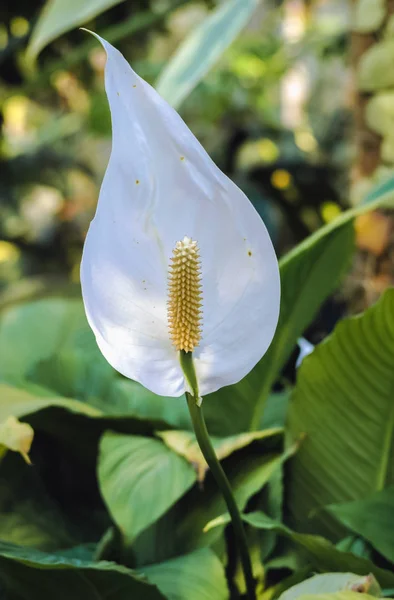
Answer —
208 451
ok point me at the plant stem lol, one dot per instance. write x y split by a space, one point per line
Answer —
208 451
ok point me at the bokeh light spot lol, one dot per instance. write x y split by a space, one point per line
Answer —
329 211
281 179
305 141
8 252
19 26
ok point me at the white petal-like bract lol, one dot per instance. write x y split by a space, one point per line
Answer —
306 348
160 186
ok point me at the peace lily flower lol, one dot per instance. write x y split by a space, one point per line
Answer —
176 258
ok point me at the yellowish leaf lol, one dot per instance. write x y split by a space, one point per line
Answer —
16 436
185 444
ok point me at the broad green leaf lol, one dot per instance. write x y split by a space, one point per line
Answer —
343 404
21 403
228 411
59 16
181 529
28 573
132 399
196 576
38 330
53 505
330 583
140 479
16 436
322 554
28 514
185 444
276 409
371 518
74 374
202 48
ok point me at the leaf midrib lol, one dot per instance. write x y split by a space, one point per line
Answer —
387 443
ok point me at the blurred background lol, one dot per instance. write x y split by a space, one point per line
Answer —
281 111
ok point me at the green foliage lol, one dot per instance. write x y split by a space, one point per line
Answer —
308 276
332 583
28 515
33 574
195 576
129 469
67 370
118 498
54 324
210 40
185 444
309 273
21 403
248 472
321 553
372 518
158 492
59 16
343 405
181 529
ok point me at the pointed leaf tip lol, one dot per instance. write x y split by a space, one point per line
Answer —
16 436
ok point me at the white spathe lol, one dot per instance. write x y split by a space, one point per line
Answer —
160 186
306 348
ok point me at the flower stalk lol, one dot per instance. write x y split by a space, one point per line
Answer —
204 442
